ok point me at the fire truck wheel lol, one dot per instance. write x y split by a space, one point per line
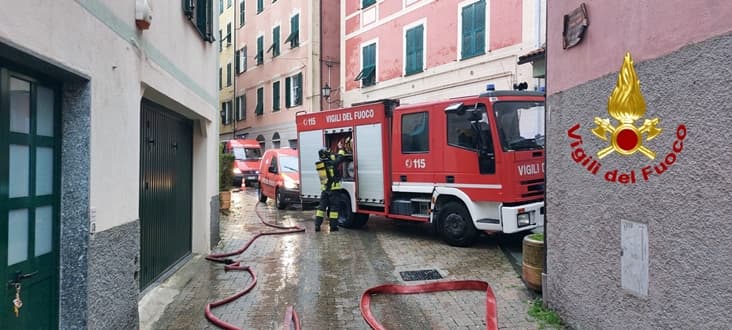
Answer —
262 197
456 226
279 203
346 217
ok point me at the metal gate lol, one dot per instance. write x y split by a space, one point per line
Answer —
165 190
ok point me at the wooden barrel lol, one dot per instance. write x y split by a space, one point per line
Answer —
533 262
225 200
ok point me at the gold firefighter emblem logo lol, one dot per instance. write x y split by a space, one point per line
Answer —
626 105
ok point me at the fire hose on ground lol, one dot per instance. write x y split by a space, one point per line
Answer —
291 316
491 321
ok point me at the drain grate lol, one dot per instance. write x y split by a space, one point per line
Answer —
420 275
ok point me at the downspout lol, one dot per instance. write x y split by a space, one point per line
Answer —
235 107
320 62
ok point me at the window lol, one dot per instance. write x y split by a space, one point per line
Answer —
415 135
228 74
226 113
221 7
221 41
260 101
275 47
221 78
242 13
228 34
368 71
260 50
473 29
241 107
366 3
293 90
260 6
200 13
275 96
228 3
294 37
414 50
241 60
460 132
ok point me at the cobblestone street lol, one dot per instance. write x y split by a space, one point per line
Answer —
324 274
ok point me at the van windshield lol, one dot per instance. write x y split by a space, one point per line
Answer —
241 153
288 164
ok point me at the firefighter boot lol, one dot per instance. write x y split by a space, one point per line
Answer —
333 224
318 222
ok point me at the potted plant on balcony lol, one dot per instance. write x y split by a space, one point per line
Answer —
533 261
226 164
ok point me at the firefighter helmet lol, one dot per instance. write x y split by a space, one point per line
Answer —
323 153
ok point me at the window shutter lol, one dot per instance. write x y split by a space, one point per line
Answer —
295 23
242 13
244 59
276 96
288 96
188 8
237 62
467 33
228 74
276 41
298 89
479 27
418 48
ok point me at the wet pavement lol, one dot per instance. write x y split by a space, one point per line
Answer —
324 274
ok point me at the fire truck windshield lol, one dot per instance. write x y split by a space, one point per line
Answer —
520 125
247 153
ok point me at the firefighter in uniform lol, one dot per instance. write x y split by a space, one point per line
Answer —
330 183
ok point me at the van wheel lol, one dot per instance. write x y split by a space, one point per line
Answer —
262 197
456 226
346 217
279 203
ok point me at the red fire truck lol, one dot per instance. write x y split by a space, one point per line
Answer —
464 165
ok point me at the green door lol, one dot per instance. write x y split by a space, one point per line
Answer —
166 151
29 200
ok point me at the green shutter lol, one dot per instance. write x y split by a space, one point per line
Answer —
276 96
260 6
414 44
479 27
298 88
242 13
260 50
288 97
276 41
368 77
473 29
467 31
366 3
294 37
260 101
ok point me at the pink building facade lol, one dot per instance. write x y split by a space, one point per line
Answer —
279 67
419 50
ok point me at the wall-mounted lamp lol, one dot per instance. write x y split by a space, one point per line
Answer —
326 91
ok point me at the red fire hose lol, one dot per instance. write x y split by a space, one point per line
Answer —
491 321
290 313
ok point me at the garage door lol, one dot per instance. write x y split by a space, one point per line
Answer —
165 190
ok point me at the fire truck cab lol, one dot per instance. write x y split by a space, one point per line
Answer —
464 165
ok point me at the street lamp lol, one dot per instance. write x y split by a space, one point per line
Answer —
326 91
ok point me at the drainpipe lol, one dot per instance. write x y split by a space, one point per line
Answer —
235 101
320 63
